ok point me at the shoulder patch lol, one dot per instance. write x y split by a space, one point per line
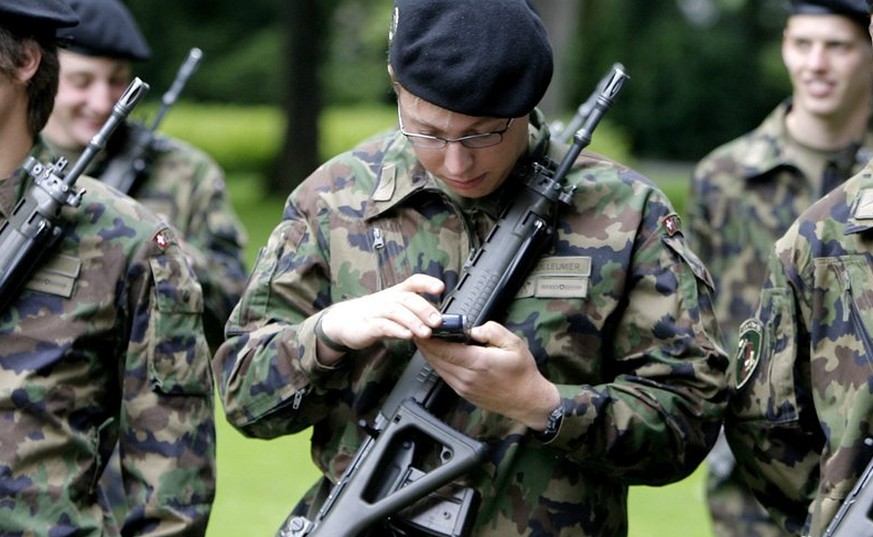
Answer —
671 224
162 239
748 350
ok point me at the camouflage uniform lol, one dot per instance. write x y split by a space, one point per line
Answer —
802 406
105 345
744 196
630 342
186 186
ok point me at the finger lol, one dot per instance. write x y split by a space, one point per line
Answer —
492 334
422 283
424 311
405 316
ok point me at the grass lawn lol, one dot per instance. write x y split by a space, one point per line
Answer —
259 481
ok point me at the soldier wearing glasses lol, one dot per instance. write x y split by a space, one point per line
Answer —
581 391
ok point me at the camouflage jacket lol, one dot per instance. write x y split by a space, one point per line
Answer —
745 195
186 187
802 406
104 345
629 340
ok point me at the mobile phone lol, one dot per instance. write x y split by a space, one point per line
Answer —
453 328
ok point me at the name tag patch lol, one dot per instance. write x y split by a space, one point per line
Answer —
558 277
56 276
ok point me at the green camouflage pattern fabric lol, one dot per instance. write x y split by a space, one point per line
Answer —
104 346
744 195
186 187
632 350
802 405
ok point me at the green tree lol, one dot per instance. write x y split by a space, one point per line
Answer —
307 37
240 43
695 83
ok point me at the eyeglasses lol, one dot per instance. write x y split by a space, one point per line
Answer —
473 141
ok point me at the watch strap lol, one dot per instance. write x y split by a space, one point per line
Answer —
556 417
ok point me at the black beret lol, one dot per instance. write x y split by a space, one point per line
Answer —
856 10
483 58
106 29
36 15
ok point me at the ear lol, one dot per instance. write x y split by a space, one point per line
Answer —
31 57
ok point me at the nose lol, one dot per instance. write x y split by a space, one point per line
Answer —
457 159
817 58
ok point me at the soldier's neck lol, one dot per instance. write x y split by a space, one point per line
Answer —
830 132
14 147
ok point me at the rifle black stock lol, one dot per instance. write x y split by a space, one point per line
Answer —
124 172
35 222
383 480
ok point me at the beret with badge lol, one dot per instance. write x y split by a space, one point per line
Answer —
29 16
483 58
856 10
107 29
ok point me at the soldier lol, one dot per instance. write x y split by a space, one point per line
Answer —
610 378
181 183
103 345
746 193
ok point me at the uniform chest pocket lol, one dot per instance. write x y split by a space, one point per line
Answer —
389 247
378 254
852 317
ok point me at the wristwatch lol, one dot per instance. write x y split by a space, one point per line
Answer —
556 416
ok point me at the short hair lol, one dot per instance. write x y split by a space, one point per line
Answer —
42 88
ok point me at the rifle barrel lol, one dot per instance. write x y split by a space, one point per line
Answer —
131 97
185 71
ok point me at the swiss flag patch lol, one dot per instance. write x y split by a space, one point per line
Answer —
161 239
671 224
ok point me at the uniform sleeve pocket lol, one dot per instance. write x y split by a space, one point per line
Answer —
765 361
178 354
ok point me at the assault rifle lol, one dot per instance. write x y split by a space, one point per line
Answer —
583 111
125 171
35 223
853 517
384 482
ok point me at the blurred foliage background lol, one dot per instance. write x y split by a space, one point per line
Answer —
702 71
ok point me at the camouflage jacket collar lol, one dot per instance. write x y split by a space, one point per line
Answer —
95 168
859 193
770 146
401 176
766 145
